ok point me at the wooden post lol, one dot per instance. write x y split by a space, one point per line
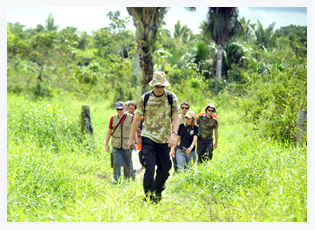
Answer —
301 125
86 121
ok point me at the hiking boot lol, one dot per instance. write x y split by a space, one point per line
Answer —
150 199
158 197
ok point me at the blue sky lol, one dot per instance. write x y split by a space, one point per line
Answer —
92 18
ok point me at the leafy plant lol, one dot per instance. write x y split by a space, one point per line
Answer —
275 98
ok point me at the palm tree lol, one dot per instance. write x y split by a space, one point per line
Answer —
183 33
50 23
249 30
83 40
147 21
265 37
221 25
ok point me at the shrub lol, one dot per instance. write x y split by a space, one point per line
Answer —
274 99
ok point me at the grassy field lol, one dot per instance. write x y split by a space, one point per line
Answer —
53 174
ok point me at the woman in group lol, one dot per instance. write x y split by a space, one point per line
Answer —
187 135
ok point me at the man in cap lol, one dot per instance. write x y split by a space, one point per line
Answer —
158 134
119 127
206 125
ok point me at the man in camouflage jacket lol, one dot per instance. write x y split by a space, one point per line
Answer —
158 135
206 125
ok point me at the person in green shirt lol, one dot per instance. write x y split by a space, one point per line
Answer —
207 123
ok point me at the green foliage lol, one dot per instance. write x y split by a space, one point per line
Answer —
297 37
104 43
193 88
274 99
10 35
42 89
160 57
202 51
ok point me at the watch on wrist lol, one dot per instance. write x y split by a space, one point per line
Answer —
175 132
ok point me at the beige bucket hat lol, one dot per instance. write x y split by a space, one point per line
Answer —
159 78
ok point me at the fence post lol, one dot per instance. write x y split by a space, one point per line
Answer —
301 125
86 121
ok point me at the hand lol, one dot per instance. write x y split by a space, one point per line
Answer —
132 143
107 148
188 150
215 145
171 140
173 153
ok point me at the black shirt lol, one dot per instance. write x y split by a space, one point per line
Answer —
186 140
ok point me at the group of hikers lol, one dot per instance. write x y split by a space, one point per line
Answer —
162 129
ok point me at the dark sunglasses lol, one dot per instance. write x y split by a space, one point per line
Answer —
159 87
210 110
119 109
185 108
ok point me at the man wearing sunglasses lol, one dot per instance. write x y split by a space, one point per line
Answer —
184 106
207 123
158 135
119 128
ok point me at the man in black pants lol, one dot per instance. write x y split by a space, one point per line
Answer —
158 135
207 123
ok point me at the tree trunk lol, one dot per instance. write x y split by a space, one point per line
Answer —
86 121
40 73
136 66
219 63
146 63
136 70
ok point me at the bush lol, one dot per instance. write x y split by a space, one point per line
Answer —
273 100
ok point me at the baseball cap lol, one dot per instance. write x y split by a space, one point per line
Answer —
190 114
119 105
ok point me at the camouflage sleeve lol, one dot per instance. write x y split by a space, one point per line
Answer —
176 108
140 108
198 120
196 133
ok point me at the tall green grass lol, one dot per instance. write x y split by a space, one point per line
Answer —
53 174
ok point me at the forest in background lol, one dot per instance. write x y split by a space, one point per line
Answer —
264 70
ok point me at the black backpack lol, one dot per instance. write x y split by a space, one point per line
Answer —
169 98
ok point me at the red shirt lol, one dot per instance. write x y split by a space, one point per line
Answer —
110 126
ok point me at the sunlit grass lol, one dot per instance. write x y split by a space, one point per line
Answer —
53 174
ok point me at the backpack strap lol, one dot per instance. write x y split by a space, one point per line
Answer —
118 124
170 100
146 98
